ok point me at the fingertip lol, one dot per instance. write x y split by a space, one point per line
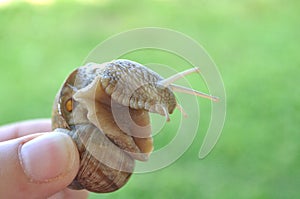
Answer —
37 166
48 157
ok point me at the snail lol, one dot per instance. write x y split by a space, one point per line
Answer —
105 109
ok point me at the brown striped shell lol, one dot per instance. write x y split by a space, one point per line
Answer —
105 109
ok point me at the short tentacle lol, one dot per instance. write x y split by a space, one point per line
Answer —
166 113
180 108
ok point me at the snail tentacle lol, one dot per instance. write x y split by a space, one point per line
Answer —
182 89
170 80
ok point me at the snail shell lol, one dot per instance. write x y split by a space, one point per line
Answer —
105 109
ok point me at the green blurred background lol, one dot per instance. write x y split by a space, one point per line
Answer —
256 45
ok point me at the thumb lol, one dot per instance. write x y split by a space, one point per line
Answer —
37 165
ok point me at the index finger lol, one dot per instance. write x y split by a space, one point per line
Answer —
19 129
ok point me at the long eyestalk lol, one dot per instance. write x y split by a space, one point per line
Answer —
170 80
182 89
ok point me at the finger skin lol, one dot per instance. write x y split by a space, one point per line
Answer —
70 194
19 129
14 183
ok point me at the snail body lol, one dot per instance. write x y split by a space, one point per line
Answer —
105 109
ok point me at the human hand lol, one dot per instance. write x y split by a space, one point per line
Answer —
35 164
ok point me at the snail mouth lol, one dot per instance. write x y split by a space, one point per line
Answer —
127 128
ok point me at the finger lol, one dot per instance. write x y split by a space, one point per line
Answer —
19 129
70 194
37 166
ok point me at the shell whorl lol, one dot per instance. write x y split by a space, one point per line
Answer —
100 169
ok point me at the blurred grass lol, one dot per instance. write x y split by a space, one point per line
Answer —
255 45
